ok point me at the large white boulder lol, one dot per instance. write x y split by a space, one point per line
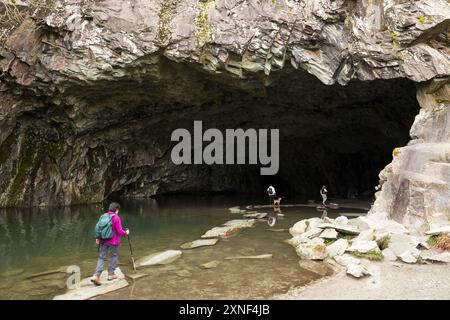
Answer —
158 258
298 228
311 251
363 246
329 234
389 255
342 220
435 256
359 222
366 235
357 270
410 256
346 260
439 230
337 248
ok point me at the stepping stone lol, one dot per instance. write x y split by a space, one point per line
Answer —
199 243
240 223
88 290
164 257
137 275
262 256
210 265
277 230
183 273
223 232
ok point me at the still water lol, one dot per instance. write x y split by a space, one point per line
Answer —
37 240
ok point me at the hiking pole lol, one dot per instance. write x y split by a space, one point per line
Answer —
131 251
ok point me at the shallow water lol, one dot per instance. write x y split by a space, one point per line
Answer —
37 240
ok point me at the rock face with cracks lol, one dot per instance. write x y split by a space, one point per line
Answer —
90 92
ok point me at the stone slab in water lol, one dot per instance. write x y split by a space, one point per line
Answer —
199 243
261 256
256 215
223 232
136 275
158 258
240 223
210 265
88 290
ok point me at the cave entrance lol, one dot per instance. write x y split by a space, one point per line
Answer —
340 136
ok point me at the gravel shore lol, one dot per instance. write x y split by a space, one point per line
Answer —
392 280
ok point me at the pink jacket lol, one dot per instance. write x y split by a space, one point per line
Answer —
117 229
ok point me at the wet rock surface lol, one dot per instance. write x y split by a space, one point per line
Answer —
91 92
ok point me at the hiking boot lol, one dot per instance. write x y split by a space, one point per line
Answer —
112 277
96 280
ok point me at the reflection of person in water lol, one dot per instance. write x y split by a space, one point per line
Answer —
272 218
323 193
324 214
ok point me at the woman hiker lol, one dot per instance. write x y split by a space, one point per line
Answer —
108 243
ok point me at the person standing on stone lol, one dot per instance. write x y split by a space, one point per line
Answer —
323 193
108 233
271 192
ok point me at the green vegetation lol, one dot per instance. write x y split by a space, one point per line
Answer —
424 20
372 256
385 242
432 240
202 27
345 236
327 242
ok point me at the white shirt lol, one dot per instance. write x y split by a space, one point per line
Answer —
271 191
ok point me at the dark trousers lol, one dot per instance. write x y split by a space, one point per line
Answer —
271 198
103 253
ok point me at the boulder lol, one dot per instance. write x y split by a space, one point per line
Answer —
337 248
295 241
359 223
342 220
363 246
313 223
410 256
389 255
317 241
319 268
435 256
158 258
329 234
401 243
348 229
366 235
298 228
210 265
88 290
346 260
357 270
199 243
311 251
439 230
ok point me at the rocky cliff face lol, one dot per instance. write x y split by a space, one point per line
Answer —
91 90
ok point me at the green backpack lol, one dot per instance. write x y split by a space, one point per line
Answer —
103 229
